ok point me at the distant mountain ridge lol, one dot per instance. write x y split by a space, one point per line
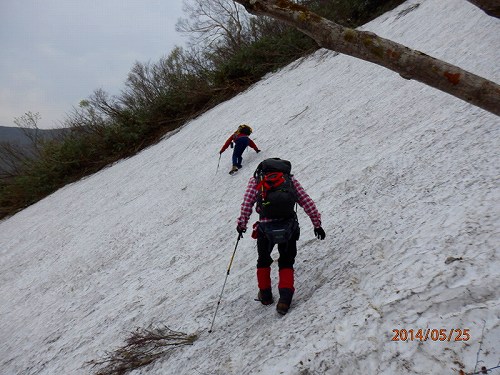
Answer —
22 136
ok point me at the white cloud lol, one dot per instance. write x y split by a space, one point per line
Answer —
56 53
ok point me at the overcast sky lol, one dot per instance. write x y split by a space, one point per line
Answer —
55 53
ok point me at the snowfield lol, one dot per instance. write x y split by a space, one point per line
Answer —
406 180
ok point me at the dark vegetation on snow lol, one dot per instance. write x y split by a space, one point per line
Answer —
159 97
143 347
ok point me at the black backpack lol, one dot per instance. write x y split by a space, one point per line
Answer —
277 195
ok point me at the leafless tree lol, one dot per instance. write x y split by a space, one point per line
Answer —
410 64
28 123
215 23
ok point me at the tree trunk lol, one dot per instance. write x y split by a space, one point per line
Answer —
491 7
410 64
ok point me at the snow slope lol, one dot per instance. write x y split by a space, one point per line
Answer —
405 178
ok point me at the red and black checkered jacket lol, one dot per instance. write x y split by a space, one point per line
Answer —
252 193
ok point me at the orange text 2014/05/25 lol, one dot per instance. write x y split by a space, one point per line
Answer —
431 334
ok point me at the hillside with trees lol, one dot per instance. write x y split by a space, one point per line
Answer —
225 55
127 270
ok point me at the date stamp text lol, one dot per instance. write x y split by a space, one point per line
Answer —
431 334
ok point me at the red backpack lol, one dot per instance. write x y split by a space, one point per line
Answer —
277 195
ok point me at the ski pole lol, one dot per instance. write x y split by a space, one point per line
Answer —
220 155
224 285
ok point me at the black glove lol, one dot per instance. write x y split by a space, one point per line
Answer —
241 230
319 233
257 151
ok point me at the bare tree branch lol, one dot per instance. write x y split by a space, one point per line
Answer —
214 23
28 123
410 64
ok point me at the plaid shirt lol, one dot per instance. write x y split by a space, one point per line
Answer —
251 195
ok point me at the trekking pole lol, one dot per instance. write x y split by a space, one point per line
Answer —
220 155
224 285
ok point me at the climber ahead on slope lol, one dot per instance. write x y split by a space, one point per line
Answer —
241 140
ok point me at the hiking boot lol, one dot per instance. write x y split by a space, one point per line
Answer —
282 307
285 300
234 169
265 296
